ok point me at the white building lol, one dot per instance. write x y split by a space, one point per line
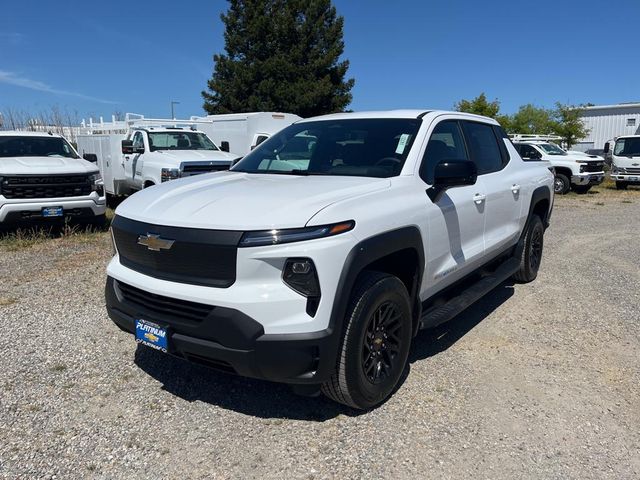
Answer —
608 121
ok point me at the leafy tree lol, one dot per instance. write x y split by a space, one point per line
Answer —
281 55
479 105
532 119
569 124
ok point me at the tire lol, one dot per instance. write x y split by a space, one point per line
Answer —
97 223
113 201
581 189
531 256
561 184
621 185
371 362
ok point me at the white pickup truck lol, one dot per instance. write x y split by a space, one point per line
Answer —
317 267
575 171
43 178
136 155
625 160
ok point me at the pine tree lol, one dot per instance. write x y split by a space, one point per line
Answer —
281 55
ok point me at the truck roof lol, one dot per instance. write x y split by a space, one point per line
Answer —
407 113
18 133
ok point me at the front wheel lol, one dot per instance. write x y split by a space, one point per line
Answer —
531 256
561 184
621 185
376 343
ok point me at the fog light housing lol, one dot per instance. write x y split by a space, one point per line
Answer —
301 276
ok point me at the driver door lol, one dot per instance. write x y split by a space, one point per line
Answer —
133 162
456 220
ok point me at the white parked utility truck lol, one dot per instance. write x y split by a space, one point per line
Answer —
240 133
319 256
138 152
575 171
43 178
625 160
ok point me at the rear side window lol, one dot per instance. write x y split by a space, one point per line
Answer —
445 144
483 146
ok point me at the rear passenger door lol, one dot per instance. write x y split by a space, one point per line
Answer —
456 224
501 182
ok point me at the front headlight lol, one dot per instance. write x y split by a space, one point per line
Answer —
169 174
95 179
288 235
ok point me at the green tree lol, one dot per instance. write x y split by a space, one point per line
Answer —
532 119
569 124
479 105
280 55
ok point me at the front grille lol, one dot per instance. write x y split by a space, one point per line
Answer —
160 306
592 167
197 169
633 171
45 186
196 256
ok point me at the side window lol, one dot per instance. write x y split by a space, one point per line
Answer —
446 143
138 140
483 146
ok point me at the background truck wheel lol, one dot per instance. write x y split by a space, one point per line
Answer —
113 201
622 185
376 343
531 256
561 184
581 189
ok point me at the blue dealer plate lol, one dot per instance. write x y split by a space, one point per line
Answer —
52 212
152 335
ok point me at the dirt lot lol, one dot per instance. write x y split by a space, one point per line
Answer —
535 381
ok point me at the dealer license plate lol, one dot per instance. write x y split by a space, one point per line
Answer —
152 335
52 212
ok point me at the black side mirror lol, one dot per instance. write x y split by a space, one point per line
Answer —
127 147
450 174
90 157
224 146
606 147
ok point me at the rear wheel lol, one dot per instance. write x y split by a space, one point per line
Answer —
531 256
376 343
581 189
622 185
561 184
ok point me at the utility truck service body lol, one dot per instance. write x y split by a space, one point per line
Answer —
240 133
138 153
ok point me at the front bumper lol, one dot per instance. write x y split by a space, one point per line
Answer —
19 210
230 341
625 177
588 179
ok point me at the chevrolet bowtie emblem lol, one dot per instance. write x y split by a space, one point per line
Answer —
155 242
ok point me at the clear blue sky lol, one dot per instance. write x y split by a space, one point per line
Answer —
100 57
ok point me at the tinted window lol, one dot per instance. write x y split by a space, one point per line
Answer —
137 140
357 147
527 152
446 143
483 146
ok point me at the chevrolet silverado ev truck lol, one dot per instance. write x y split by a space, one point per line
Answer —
318 257
575 171
625 161
42 177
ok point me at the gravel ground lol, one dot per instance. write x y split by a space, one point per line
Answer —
534 381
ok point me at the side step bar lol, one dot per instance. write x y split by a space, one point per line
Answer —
439 315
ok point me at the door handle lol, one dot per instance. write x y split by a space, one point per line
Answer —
515 188
479 198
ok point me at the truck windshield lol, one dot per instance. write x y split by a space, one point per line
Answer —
180 141
627 147
357 147
552 149
28 146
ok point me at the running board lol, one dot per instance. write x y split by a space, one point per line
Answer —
444 313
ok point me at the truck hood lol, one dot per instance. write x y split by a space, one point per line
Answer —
44 166
180 156
243 201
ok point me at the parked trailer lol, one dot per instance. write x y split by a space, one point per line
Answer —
240 133
138 152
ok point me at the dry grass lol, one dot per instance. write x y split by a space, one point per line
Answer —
606 194
6 301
